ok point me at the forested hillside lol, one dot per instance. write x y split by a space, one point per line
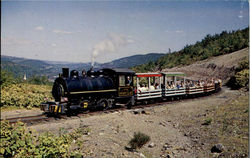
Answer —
131 61
30 67
212 45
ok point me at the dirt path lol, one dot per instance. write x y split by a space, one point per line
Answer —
175 130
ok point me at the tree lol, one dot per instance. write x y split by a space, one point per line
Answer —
6 78
40 80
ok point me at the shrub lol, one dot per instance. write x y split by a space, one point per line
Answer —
207 121
39 80
244 64
242 78
24 95
6 78
17 141
139 140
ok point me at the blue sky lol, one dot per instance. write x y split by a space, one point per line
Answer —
77 31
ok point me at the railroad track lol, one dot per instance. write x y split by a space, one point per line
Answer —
30 120
26 119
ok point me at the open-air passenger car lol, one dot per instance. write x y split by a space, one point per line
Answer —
148 85
173 84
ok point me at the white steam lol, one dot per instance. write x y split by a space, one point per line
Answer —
109 45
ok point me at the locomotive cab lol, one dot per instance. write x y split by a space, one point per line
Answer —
123 79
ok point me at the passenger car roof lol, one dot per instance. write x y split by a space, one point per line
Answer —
173 73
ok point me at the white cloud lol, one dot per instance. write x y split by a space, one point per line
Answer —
39 28
14 41
240 16
111 44
174 31
53 44
62 32
179 31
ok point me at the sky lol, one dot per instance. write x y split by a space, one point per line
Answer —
101 31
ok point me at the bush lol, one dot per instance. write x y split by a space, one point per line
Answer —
24 95
244 64
207 121
139 140
17 141
39 80
242 78
6 78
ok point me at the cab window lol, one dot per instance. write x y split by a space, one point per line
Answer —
122 80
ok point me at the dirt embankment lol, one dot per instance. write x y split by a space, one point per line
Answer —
217 67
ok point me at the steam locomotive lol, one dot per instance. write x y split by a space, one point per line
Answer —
96 88
105 88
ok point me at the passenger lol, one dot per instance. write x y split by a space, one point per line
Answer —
168 86
157 86
83 72
212 80
191 84
128 81
151 88
216 81
139 88
182 84
205 83
187 84
197 84
143 88
202 83
178 86
172 85
219 80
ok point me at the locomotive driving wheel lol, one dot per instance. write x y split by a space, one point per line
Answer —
104 103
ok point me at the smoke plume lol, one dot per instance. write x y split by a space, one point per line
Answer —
109 45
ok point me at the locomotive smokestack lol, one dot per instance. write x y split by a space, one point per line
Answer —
65 72
91 72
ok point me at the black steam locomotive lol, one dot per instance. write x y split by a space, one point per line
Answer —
96 88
